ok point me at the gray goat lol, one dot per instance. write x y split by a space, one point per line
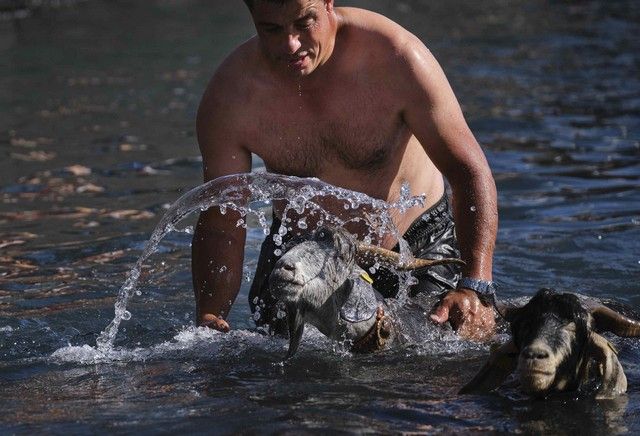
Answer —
556 347
318 281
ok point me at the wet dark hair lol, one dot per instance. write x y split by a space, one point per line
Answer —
548 303
249 3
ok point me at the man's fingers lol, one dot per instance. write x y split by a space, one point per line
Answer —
215 323
466 314
222 326
441 313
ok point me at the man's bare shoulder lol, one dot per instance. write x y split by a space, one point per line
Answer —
232 82
380 33
222 113
390 48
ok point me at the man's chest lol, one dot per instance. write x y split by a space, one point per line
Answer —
305 135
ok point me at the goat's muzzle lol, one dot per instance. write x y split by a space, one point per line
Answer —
536 368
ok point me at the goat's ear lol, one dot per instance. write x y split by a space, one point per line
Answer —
609 320
501 363
295 321
507 310
613 382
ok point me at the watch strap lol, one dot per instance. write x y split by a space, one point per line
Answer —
484 288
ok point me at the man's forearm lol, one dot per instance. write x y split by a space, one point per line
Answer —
217 256
476 217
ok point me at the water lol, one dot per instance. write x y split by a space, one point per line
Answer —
98 101
248 194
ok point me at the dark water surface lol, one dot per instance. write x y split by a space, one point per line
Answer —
97 104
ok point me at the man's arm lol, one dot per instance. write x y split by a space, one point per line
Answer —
218 244
435 118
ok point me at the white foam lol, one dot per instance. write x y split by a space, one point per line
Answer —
194 341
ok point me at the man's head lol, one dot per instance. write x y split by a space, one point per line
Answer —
297 36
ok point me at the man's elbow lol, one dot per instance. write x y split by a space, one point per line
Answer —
472 176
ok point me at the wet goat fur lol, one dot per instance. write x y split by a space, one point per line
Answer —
547 317
555 347
320 268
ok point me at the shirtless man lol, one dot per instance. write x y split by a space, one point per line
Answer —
350 97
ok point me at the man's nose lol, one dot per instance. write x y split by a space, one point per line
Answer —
293 42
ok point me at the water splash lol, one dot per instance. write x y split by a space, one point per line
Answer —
247 194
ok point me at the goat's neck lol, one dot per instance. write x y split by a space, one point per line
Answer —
326 317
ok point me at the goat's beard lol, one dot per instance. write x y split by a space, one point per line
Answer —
536 381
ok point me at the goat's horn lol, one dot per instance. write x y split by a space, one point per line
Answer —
611 321
393 258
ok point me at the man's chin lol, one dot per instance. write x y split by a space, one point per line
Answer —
300 72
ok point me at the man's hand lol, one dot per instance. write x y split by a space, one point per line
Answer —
466 313
212 321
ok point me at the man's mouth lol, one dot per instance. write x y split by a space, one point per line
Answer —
297 62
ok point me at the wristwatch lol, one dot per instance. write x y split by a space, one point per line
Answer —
485 289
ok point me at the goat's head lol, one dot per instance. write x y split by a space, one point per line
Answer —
315 276
554 343
306 276
552 333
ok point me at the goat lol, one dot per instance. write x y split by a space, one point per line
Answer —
556 347
318 281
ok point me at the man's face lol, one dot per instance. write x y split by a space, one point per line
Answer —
296 36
